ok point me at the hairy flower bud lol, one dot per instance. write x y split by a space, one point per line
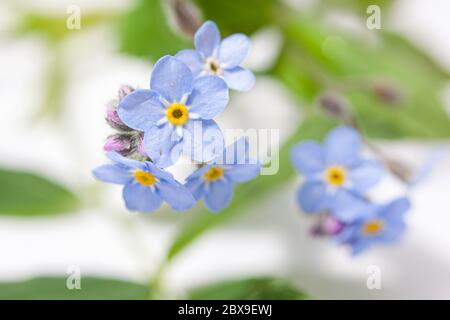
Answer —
327 226
125 90
118 143
112 118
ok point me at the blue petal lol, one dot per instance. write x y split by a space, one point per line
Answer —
308 158
209 97
159 173
176 195
171 78
239 78
312 196
140 198
196 187
342 146
347 234
395 210
218 195
141 109
192 59
199 172
203 140
366 175
393 232
163 145
112 173
242 172
236 153
349 207
233 50
118 158
361 244
207 39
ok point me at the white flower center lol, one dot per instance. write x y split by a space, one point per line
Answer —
212 66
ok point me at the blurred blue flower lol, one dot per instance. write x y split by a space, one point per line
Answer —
380 224
176 114
335 174
219 58
214 182
145 185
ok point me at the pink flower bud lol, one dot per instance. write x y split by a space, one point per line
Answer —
125 90
117 143
331 226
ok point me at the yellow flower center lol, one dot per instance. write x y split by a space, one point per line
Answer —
335 175
213 174
177 113
144 178
372 227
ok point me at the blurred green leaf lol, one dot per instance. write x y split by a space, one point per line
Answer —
28 194
55 82
315 59
248 289
54 288
314 127
239 16
144 31
53 27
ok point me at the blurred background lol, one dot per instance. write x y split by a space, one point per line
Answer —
56 79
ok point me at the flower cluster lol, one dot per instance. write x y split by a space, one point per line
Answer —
337 179
175 117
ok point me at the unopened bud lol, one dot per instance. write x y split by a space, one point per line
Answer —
140 147
327 226
400 170
112 118
335 106
386 92
125 90
186 16
117 143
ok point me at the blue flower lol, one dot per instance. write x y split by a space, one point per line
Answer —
380 224
176 114
219 58
335 174
145 185
214 182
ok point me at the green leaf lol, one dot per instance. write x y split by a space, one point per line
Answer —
144 31
55 288
27 194
314 127
239 16
316 59
248 289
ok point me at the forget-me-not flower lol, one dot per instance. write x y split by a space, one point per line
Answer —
145 185
335 174
379 224
214 182
176 113
219 58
